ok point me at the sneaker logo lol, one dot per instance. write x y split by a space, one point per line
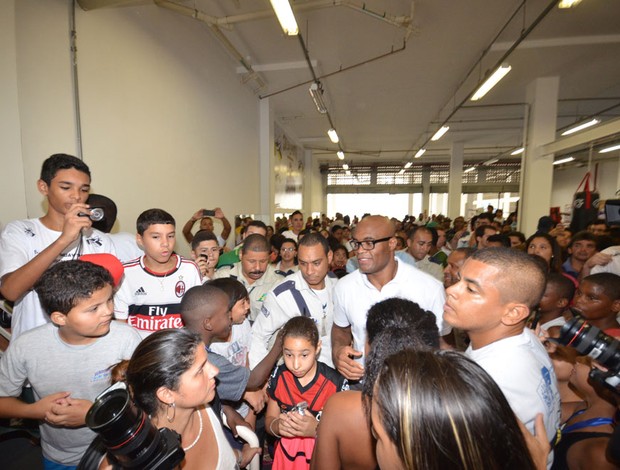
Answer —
140 291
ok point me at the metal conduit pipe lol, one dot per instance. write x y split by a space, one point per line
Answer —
524 34
212 23
228 21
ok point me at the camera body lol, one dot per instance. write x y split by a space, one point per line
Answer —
604 349
612 211
208 213
96 214
127 436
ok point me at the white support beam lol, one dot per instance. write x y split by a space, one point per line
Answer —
302 64
601 131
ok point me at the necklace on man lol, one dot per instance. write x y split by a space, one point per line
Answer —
199 433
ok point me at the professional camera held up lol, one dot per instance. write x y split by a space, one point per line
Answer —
127 436
604 349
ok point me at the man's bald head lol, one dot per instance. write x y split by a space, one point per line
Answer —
379 223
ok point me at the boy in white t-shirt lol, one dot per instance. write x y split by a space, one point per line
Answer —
492 300
29 247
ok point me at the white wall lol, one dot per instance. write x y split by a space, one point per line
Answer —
165 120
12 190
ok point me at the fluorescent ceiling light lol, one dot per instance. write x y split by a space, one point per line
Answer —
419 153
333 136
563 160
491 161
440 132
470 169
285 15
408 165
568 3
345 166
340 154
518 151
490 82
402 171
316 92
610 149
582 126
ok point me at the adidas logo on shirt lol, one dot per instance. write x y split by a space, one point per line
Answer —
140 291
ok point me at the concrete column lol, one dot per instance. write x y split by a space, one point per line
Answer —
266 177
306 182
455 184
537 173
426 190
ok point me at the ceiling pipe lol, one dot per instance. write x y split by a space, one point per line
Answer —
340 70
96 4
229 21
217 32
524 34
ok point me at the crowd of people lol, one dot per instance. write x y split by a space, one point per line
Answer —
342 343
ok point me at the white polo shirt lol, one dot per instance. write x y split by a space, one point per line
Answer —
354 295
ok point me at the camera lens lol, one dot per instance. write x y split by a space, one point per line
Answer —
590 340
96 214
125 430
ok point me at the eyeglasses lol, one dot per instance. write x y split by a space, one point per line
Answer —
287 249
367 244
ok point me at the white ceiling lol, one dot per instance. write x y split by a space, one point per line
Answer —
387 108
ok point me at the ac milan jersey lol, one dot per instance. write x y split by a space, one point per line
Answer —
151 301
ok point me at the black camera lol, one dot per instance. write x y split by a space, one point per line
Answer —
612 211
127 436
590 340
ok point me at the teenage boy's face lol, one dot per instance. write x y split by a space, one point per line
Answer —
67 187
89 319
593 303
474 303
221 320
158 242
210 249
550 300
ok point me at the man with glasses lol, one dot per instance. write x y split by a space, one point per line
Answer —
380 276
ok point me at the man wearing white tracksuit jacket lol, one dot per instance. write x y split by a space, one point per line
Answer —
307 292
